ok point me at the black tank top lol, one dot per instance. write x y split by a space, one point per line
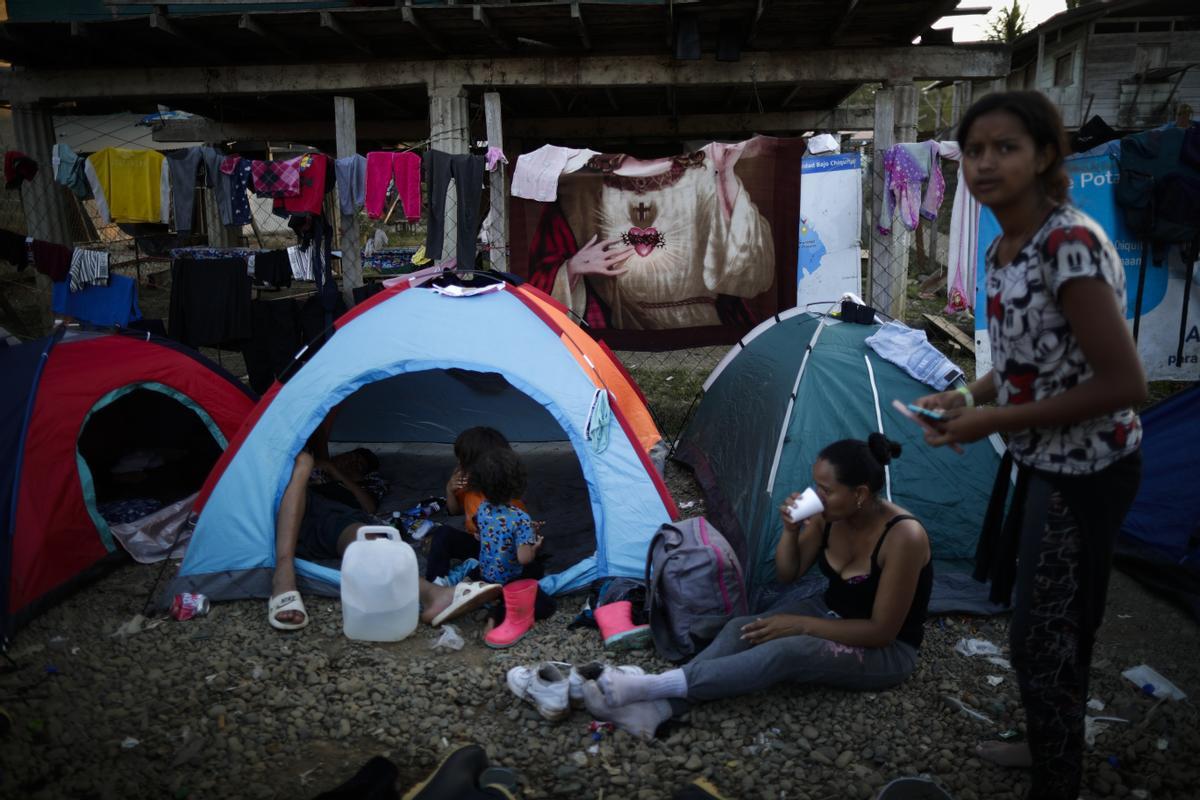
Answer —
855 598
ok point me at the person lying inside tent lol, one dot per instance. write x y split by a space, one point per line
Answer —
326 501
862 634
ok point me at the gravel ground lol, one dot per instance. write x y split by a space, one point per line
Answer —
223 706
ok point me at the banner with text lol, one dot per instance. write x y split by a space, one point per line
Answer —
1093 190
829 260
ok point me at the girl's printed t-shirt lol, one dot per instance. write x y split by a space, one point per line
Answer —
469 501
1034 352
502 529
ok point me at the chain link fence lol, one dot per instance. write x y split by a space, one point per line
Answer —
894 265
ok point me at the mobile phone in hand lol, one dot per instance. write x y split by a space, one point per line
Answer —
928 413
922 419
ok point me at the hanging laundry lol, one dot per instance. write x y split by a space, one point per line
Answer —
273 268
906 167
204 253
536 174
52 260
130 185
312 181
184 166
467 171
235 171
18 167
963 254
88 268
694 259
1147 159
495 156
319 237
274 341
214 180
351 176
276 178
823 143
405 168
114 304
210 301
69 170
301 263
13 249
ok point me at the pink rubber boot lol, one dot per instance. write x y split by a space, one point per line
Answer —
519 597
617 628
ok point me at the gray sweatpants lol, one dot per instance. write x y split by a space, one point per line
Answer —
731 666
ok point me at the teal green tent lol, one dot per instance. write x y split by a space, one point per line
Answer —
793 385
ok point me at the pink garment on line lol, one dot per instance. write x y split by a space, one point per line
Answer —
494 156
382 166
276 178
906 167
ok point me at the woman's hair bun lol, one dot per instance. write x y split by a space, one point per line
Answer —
883 448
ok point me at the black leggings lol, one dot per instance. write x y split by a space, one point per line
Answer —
467 172
1066 548
448 544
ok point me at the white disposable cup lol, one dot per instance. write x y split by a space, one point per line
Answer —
805 506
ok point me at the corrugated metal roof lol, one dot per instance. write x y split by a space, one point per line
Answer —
90 134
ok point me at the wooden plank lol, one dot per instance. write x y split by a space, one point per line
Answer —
951 332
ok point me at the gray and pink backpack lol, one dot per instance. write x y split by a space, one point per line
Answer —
694 585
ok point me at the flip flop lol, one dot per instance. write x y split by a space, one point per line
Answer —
468 596
287 601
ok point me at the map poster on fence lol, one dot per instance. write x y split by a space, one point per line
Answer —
829 259
710 238
1093 189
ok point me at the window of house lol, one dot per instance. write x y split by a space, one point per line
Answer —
1116 27
1064 68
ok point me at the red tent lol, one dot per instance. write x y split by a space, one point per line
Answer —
75 403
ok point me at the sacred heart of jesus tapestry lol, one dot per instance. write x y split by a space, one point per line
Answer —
672 252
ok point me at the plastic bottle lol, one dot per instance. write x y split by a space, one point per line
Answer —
379 586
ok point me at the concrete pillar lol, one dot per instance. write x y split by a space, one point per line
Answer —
961 102
889 268
881 246
449 131
497 191
351 242
907 107
47 213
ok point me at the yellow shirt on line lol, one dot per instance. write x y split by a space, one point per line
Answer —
130 185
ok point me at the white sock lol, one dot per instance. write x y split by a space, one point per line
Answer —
621 689
639 719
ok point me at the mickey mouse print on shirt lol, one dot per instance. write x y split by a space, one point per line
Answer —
1035 352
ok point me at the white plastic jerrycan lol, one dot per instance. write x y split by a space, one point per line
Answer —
379 586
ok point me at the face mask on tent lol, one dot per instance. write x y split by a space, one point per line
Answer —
599 419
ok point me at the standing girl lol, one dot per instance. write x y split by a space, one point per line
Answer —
1065 376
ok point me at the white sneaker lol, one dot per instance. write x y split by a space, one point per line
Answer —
592 671
544 687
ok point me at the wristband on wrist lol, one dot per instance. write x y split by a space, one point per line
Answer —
967 396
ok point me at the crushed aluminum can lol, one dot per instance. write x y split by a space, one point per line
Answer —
187 605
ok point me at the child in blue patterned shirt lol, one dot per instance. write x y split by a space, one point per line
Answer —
509 544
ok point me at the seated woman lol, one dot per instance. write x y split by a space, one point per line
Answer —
863 634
